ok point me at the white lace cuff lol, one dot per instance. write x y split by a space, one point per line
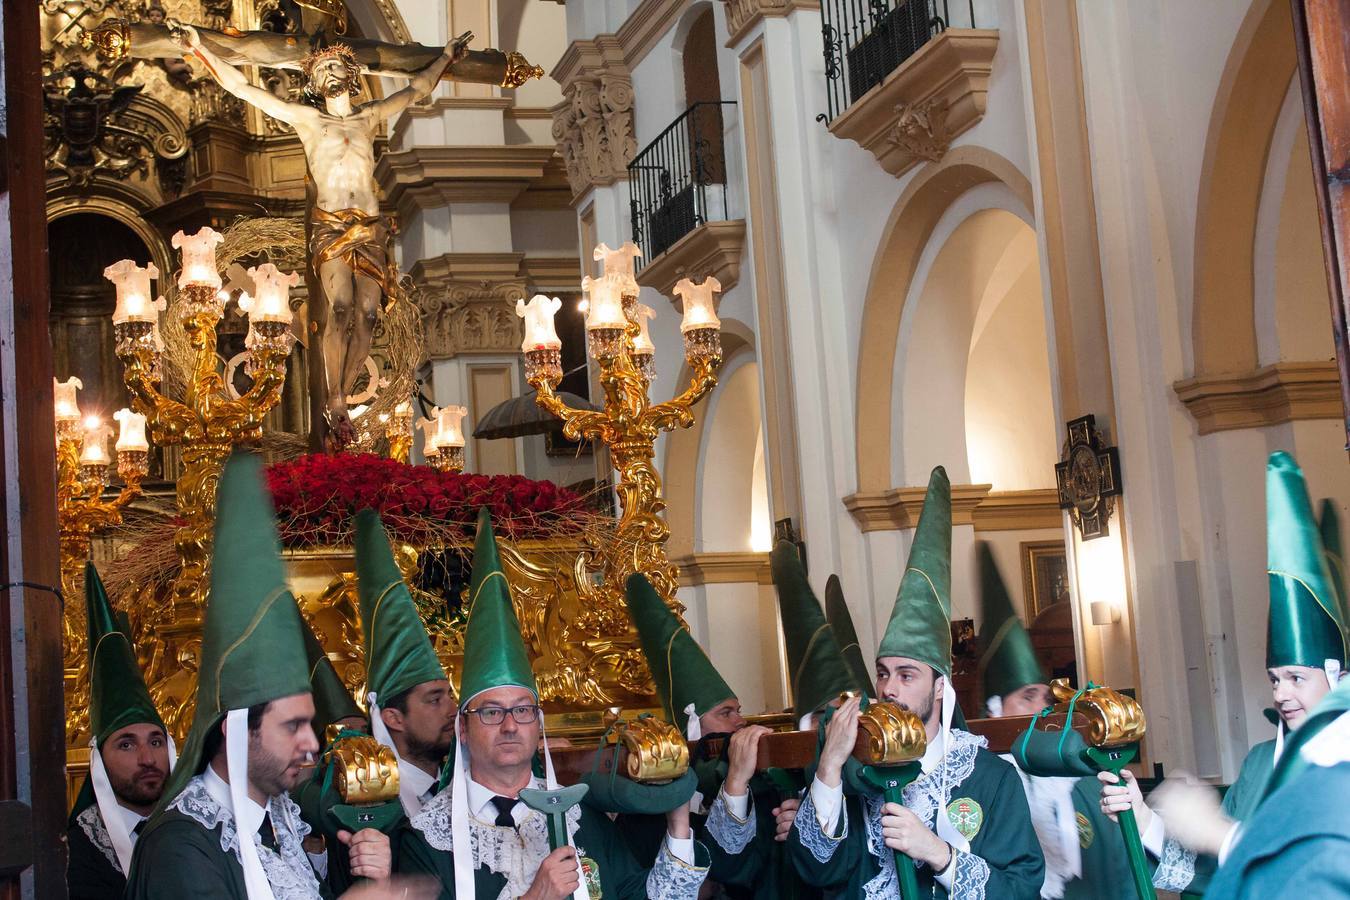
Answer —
730 823
1176 867
820 843
970 877
827 802
1154 836
675 878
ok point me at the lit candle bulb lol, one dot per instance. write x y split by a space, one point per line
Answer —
450 425
271 298
432 442
699 310
643 342
540 333
133 292
199 257
131 434
95 449
604 304
67 409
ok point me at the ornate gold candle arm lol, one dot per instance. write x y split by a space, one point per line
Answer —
577 423
678 411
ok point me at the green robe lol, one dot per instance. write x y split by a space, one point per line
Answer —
315 804
91 873
1106 868
178 856
746 860
1296 845
425 847
983 799
1180 870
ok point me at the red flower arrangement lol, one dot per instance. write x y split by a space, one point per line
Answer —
317 496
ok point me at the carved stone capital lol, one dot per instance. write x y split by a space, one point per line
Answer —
593 125
742 15
922 106
468 303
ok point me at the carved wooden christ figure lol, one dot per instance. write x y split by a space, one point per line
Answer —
349 239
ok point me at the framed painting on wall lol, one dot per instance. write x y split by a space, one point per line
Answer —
1045 576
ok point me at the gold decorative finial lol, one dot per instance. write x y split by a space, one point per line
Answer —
889 735
656 750
519 70
1114 719
110 39
366 772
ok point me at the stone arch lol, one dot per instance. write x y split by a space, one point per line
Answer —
903 241
683 446
1246 109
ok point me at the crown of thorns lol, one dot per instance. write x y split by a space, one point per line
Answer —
341 52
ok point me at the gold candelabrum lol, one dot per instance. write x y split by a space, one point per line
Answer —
206 423
618 340
83 469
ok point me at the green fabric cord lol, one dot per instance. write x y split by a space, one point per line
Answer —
1305 627
920 623
399 655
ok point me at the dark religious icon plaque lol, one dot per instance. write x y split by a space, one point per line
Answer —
1088 478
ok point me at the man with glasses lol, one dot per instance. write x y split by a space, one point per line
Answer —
478 839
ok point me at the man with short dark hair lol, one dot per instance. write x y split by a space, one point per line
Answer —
225 827
129 760
412 706
964 822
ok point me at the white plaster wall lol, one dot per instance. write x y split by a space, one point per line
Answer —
737 625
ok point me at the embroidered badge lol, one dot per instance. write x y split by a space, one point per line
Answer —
591 872
1085 834
967 816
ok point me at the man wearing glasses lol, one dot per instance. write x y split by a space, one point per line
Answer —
478 839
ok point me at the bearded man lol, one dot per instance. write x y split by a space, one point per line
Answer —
348 237
129 761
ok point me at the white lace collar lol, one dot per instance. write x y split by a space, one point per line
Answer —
514 853
288 868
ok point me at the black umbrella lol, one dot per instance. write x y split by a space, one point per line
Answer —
521 415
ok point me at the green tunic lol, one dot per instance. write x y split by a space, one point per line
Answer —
507 858
746 860
182 853
1106 868
983 799
92 872
1178 869
315 804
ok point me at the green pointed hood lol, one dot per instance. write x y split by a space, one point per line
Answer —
494 650
816 665
1305 626
332 700
399 655
920 626
841 620
683 673
1008 662
117 693
1329 524
253 645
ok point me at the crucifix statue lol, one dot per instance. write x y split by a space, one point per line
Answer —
350 250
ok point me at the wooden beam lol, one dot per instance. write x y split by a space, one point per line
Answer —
32 720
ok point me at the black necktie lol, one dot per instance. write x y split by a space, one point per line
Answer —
269 837
504 806
139 826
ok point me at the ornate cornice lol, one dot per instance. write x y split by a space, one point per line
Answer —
593 125
972 504
1271 395
742 15
713 248
735 567
431 177
933 97
468 302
